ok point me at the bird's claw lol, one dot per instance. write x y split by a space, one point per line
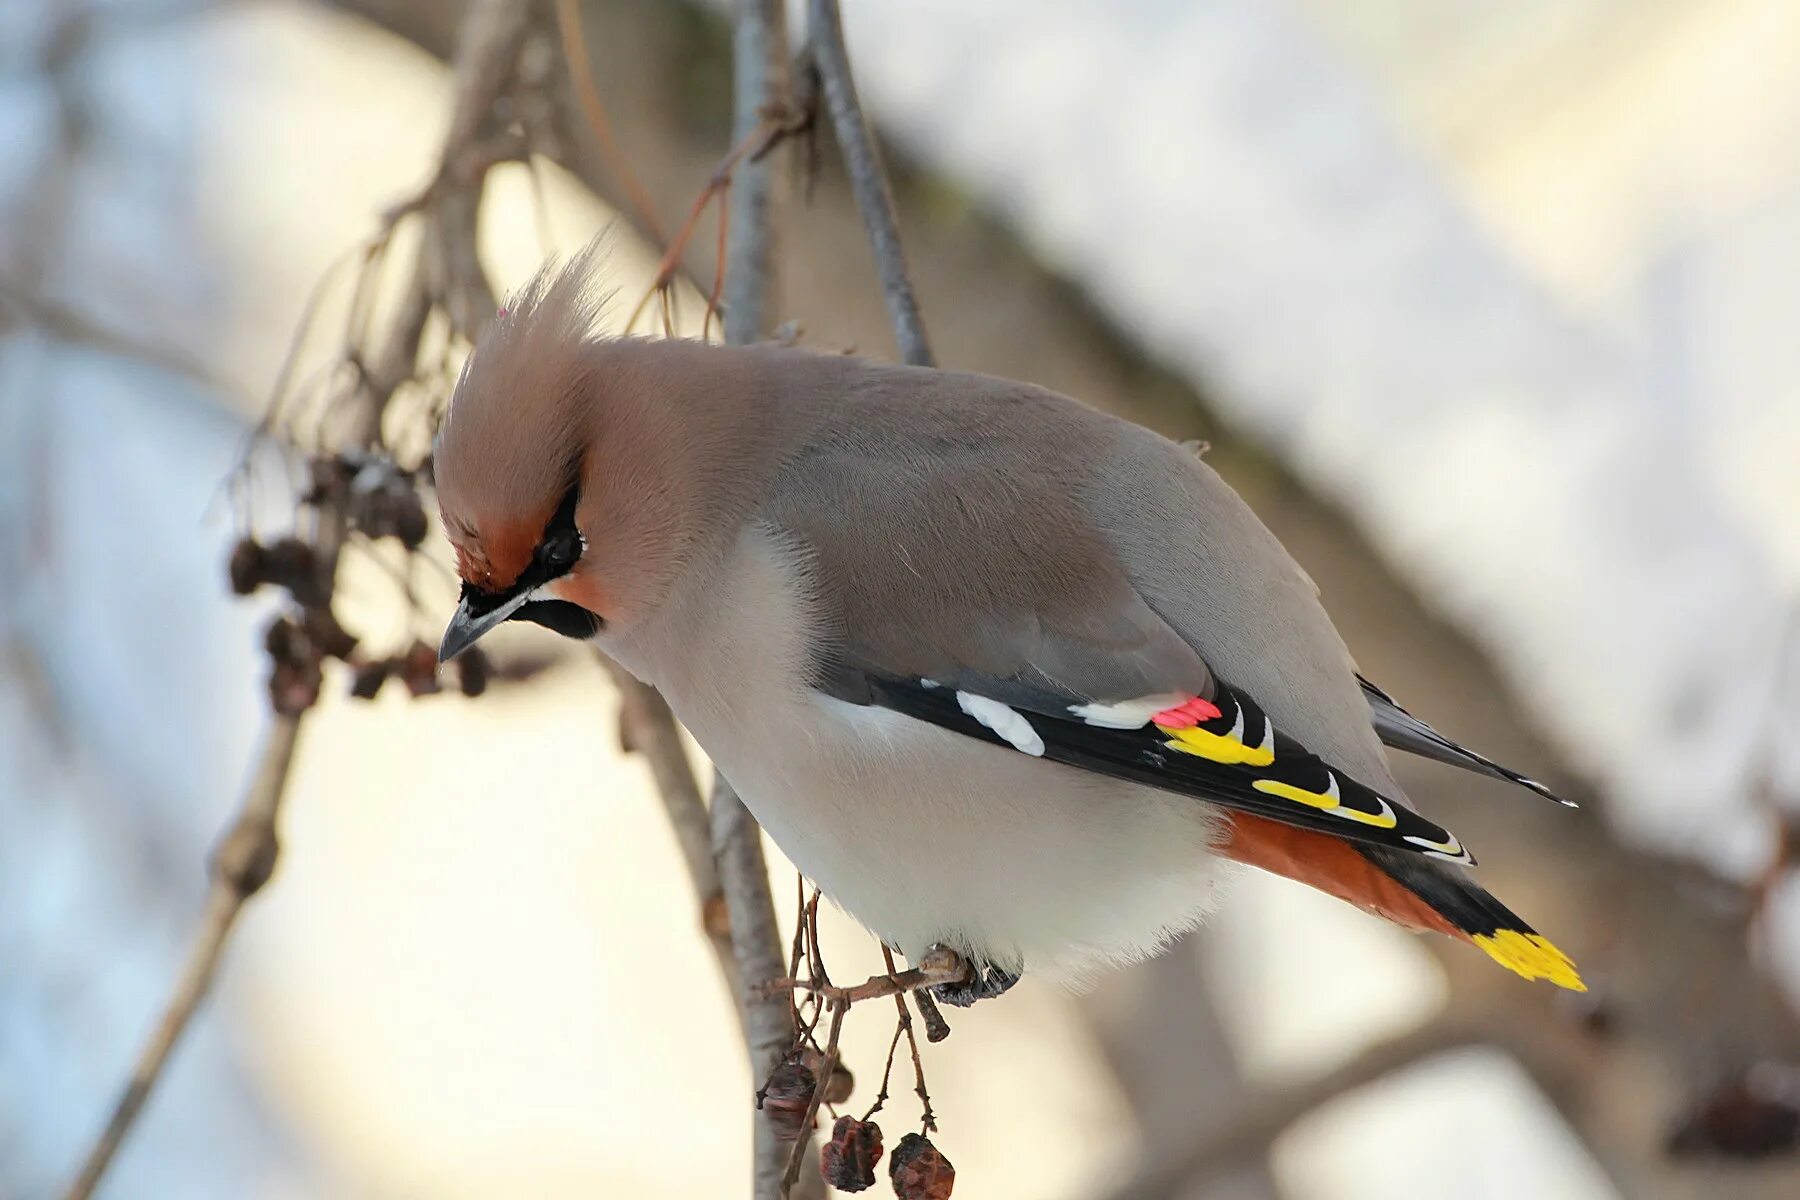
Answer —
981 985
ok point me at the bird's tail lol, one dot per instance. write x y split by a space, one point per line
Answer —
1408 889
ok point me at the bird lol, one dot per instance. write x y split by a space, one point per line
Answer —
997 671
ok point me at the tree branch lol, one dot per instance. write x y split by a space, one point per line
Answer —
760 90
1263 1119
240 865
760 86
245 858
647 727
868 180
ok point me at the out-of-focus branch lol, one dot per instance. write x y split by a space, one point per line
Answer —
759 87
760 92
246 856
756 940
868 180
647 727
581 74
67 324
1263 1119
240 865
1161 1035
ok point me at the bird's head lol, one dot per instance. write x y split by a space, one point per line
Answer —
510 462
560 474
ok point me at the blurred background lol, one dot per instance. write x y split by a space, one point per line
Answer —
1489 312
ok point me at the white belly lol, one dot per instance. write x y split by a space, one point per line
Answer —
921 834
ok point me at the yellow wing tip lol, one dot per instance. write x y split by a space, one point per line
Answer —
1530 955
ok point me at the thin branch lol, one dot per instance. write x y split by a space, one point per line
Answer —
939 966
245 858
240 866
68 324
647 727
581 71
868 180
1263 1119
797 1152
756 940
760 91
928 1118
761 96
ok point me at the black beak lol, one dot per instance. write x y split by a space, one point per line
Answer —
469 623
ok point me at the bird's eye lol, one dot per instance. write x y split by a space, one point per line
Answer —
561 548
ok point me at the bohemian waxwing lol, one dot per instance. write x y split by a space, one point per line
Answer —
995 670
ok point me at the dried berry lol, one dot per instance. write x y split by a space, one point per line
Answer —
287 642
1756 1115
292 564
787 1097
409 519
473 671
920 1171
841 1083
367 677
294 686
331 474
418 669
848 1160
332 639
246 567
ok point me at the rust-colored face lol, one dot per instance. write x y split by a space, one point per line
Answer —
511 575
493 558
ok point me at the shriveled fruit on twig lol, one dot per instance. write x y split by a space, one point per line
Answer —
366 678
848 1160
295 676
332 639
384 502
330 477
787 1097
473 671
919 1170
1755 1115
246 567
292 564
841 1083
419 670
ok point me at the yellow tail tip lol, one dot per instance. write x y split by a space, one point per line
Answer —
1530 955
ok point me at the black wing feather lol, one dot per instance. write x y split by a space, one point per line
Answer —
1147 756
1400 729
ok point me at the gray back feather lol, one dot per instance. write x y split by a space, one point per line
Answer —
966 528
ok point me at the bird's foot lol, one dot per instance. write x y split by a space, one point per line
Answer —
979 984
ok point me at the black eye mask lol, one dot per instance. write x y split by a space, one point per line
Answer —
556 555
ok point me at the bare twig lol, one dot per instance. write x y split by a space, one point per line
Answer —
241 864
928 1118
581 71
746 155
647 727
761 97
68 324
797 1152
760 91
868 180
756 940
939 966
1261 1120
245 858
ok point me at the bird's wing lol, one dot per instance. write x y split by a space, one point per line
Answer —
962 578
1400 729
1224 750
